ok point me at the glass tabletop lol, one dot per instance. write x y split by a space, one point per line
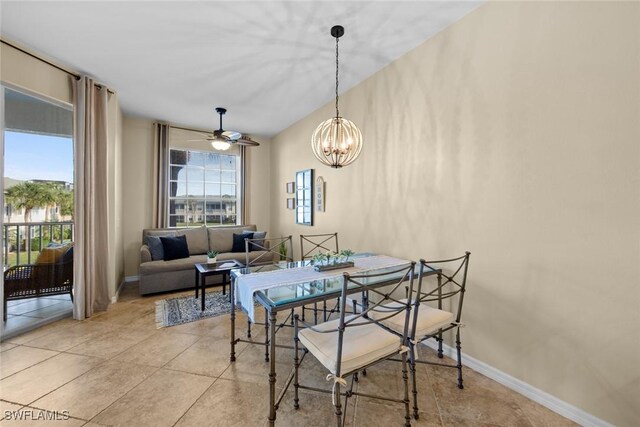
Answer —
218 266
318 289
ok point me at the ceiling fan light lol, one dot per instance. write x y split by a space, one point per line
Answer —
221 145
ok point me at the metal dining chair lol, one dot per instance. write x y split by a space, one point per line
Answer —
353 342
311 245
269 250
270 253
431 322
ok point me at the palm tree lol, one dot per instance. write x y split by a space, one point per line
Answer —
49 197
27 196
64 200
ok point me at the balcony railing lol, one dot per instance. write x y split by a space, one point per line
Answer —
24 239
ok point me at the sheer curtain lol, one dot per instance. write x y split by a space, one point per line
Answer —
91 247
160 174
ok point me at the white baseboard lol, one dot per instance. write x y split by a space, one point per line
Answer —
558 406
131 279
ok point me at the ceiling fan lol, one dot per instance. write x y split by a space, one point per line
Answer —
223 139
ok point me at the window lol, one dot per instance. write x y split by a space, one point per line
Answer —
204 188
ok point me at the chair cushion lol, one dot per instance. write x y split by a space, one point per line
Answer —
429 320
197 239
239 241
362 345
175 247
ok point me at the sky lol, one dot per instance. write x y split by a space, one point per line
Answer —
33 156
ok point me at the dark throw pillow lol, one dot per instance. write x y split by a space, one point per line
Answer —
238 241
175 247
257 235
155 247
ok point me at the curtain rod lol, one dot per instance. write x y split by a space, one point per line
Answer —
74 75
189 129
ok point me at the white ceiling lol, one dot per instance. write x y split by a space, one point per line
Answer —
270 63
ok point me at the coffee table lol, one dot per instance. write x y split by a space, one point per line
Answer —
204 270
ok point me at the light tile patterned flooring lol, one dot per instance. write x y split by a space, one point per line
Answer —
24 312
118 369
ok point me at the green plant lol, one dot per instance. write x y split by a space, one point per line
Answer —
320 258
346 253
212 254
282 250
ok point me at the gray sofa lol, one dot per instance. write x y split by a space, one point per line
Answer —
162 276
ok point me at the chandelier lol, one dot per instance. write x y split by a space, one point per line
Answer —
337 142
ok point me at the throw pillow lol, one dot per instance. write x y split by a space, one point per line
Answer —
52 254
175 247
238 241
155 247
257 235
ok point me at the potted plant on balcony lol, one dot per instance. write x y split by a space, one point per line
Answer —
212 257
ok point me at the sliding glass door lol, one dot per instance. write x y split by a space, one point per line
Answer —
37 220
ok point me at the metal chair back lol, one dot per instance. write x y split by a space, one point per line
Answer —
451 276
311 244
271 250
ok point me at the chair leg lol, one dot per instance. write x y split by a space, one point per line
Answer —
248 328
405 380
439 339
459 365
266 335
296 364
292 314
338 404
414 388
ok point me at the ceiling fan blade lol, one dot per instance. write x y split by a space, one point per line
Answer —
199 140
245 140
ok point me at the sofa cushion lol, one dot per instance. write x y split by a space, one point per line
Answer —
155 247
197 239
239 241
155 267
175 247
261 256
221 238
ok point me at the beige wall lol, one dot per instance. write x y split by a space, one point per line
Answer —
514 134
137 164
138 185
28 73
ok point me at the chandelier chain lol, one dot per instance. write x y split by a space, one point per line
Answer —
337 63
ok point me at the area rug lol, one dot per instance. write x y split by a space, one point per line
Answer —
179 310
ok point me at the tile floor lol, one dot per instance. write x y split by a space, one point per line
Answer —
118 369
25 312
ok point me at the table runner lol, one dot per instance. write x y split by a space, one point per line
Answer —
248 284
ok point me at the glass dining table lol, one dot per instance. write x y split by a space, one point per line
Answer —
290 296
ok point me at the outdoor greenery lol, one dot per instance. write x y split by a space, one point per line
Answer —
35 195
